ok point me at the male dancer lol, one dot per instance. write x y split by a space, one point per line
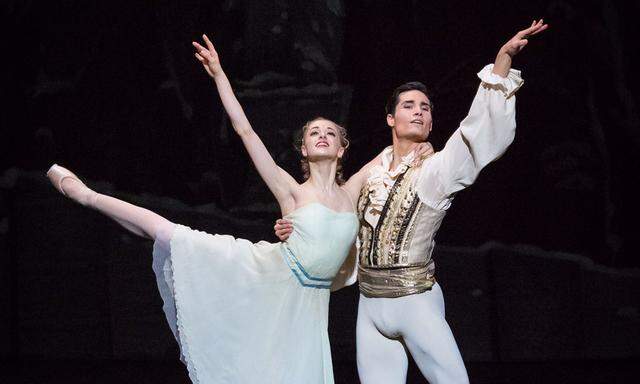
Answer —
401 207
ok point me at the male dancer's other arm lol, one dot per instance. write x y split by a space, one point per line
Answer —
485 134
281 184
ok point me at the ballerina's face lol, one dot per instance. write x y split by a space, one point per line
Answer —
322 140
411 118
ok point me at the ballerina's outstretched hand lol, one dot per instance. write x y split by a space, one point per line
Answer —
279 181
208 57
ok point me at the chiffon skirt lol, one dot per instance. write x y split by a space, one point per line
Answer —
238 312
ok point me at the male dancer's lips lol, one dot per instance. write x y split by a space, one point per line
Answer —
418 121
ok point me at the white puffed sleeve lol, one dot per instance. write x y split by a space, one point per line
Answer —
483 136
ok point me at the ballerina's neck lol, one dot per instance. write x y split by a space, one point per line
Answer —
322 175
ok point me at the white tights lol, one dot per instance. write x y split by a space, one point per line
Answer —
137 220
389 328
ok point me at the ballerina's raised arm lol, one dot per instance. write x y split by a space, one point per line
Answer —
280 183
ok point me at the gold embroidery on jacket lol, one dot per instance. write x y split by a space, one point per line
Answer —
387 244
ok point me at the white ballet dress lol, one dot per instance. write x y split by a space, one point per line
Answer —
246 312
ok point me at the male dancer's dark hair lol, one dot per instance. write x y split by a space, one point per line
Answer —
390 107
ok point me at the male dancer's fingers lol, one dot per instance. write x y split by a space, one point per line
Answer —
422 152
282 235
283 229
286 235
535 28
281 224
539 28
528 30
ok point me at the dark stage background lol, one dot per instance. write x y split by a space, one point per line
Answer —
537 259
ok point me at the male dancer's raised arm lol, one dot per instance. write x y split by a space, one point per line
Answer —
485 134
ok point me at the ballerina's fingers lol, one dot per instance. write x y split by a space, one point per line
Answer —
200 58
204 52
208 43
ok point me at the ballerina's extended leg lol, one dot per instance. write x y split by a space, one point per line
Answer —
137 220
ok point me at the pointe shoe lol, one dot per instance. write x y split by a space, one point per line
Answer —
57 174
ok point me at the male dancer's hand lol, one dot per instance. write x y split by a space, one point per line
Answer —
423 150
283 229
514 46
208 57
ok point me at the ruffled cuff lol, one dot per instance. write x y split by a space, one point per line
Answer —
507 85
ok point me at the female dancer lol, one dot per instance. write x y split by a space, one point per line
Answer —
245 312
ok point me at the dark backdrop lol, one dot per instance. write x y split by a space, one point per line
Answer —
111 90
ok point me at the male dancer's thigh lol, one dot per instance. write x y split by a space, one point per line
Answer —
429 339
381 359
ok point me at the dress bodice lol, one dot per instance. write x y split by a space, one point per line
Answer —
321 238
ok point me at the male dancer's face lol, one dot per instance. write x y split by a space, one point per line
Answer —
411 119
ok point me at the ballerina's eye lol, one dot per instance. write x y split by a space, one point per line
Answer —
331 133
